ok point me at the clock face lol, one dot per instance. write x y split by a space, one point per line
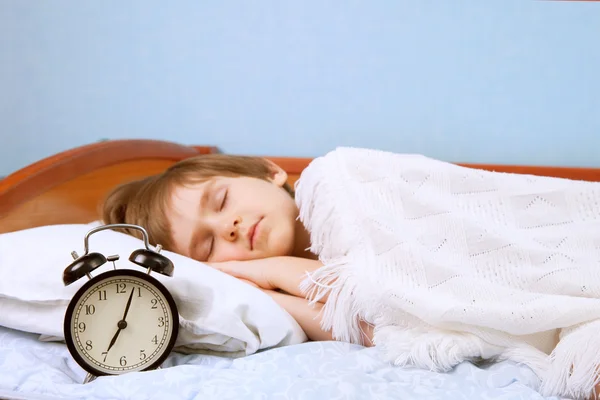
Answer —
121 321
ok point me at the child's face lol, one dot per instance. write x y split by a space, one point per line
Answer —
225 219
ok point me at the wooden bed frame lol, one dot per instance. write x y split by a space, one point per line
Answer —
68 187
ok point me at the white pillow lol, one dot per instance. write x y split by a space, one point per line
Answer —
217 312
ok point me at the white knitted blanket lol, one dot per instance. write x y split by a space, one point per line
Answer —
452 264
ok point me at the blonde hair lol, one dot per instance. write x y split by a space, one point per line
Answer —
145 202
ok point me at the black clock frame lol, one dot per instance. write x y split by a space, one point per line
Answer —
67 322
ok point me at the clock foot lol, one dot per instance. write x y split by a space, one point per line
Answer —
89 378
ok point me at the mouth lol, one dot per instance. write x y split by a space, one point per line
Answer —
252 233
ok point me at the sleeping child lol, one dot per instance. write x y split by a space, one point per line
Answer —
433 262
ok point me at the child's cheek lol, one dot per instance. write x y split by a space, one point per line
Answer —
233 252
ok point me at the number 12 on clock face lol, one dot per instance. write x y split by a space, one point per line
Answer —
122 321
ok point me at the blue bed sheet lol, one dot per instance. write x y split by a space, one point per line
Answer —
34 370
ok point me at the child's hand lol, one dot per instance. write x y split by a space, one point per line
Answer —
256 272
283 273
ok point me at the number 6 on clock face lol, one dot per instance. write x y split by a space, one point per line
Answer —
121 321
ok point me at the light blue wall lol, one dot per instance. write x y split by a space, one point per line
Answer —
475 81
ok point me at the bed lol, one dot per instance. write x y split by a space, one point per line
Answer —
66 189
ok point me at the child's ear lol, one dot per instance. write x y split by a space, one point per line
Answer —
278 175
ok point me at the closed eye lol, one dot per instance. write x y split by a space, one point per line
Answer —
224 201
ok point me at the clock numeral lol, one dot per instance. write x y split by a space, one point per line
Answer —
142 355
81 327
102 295
104 353
88 345
155 339
154 302
121 287
90 309
139 291
161 322
123 361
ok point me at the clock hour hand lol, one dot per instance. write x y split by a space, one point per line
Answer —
114 339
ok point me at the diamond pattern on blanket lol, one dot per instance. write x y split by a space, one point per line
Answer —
475 182
437 274
538 210
415 179
365 173
483 241
382 235
554 253
552 242
433 243
379 192
417 208
550 260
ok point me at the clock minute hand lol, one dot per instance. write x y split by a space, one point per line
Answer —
128 304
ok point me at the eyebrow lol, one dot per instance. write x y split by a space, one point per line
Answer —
206 191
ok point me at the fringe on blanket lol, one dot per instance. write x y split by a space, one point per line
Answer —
575 363
333 282
341 313
565 372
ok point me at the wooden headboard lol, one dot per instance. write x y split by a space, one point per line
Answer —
68 187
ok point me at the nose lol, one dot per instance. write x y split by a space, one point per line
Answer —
231 230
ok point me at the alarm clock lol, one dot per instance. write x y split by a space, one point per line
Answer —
121 320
